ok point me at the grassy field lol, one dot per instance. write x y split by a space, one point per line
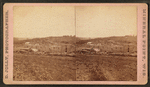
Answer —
43 68
106 68
79 68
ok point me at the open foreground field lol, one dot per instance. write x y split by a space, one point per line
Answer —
43 68
106 68
79 68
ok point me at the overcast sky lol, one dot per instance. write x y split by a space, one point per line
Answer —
91 21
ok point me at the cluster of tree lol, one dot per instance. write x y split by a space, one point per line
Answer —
68 35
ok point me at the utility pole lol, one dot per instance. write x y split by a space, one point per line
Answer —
75 27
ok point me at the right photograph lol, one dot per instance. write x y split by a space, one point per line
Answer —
106 43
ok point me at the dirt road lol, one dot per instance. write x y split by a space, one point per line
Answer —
79 68
106 68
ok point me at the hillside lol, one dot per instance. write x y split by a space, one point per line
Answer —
79 40
64 39
114 40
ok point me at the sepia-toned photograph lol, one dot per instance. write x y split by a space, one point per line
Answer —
75 43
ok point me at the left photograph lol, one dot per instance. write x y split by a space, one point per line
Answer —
44 43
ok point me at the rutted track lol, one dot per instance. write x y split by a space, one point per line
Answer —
106 68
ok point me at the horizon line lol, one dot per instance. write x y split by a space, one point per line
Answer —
71 36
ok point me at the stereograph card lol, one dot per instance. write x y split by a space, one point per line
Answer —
72 43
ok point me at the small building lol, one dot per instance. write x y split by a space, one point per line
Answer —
89 43
96 50
55 49
117 49
27 45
